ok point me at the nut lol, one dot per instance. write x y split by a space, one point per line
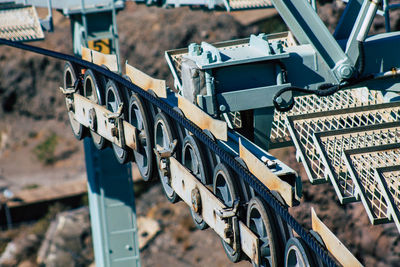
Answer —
196 200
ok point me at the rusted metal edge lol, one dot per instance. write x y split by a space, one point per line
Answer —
266 176
192 112
332 243
109 61
146 82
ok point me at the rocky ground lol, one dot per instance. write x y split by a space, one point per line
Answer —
37 148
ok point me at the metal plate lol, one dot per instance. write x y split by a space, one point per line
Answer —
20 24
388 179
361 164
302 127
312 103
330 146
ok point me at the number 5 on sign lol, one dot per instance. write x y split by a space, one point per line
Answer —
102 46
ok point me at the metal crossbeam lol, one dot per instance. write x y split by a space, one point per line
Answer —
302 127
361 164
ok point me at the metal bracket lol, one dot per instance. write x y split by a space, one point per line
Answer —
163 155
68 91
228 212
232 230
116 120
77 85
113 116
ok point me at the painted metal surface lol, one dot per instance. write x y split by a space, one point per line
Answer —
112 209
239 47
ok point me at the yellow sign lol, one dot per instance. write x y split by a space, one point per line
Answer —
102 46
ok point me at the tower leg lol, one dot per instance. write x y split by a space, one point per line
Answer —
112 208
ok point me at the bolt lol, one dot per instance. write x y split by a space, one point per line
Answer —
196 200
114 132
70 104
164 167
209 57
92 119
345 71
279 100
128 247
222 108
194 49
228 233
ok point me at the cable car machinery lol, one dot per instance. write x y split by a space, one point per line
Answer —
334 98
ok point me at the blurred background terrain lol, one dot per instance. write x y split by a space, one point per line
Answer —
38 149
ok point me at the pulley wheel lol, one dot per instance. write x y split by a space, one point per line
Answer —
164 135
70 76
297 254
93 89
138 117
225 189
261 222
113 99
193 159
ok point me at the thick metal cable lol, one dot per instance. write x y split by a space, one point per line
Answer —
243 173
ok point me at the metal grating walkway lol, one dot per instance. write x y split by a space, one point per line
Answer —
20 24
361 164
331 144
388 179
357 149
302 128
311 103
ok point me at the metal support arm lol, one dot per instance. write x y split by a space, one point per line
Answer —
307 27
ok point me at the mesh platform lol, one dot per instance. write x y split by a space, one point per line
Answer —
310 103
330 146
20 24
249 4
302 128
388 179
361 164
